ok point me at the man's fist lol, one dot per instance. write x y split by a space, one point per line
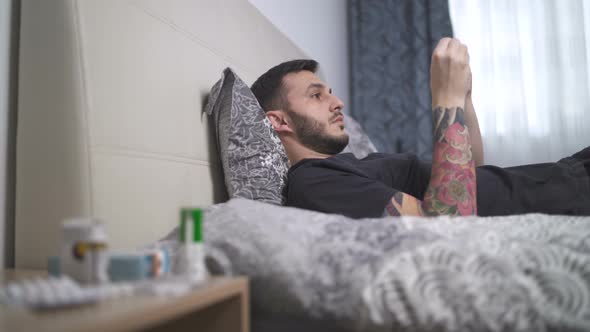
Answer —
450 74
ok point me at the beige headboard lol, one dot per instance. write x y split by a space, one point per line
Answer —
110 101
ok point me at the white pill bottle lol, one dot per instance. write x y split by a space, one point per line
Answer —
84 255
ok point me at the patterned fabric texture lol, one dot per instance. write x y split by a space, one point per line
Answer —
391 46
254 161
314 270
253 158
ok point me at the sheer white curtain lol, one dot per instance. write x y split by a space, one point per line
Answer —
530 61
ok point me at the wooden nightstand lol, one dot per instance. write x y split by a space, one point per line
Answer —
220 304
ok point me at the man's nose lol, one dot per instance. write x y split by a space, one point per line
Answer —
337 104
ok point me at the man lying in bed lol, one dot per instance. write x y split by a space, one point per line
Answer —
308 120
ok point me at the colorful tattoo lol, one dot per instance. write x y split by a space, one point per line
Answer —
452 187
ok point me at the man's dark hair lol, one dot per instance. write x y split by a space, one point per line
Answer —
269 89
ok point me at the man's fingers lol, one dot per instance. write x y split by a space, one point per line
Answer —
443 43
441 47
451 47
458 51
454 45
464 53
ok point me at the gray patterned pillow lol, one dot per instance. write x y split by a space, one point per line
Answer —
253 158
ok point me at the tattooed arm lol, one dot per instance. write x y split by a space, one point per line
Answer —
452 186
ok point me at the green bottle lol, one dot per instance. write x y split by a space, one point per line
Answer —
192 263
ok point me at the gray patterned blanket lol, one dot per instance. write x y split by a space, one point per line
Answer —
517 273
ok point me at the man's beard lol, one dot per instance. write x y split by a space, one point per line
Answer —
311 134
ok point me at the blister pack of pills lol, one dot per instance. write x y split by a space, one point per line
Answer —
47 293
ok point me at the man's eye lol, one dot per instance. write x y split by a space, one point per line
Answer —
316 95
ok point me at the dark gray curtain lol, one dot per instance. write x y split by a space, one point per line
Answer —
391 46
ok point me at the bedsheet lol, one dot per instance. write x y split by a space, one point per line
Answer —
516 273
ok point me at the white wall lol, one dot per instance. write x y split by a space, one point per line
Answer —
7 90
320 29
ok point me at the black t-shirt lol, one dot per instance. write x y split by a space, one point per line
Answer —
356 188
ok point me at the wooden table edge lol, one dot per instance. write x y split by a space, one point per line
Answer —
213 291
181 305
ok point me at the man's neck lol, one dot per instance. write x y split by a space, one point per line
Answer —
297 152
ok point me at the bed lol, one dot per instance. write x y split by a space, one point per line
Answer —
113 123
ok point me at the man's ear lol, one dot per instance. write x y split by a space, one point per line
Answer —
279 121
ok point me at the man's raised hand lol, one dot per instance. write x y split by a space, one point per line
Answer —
450 74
